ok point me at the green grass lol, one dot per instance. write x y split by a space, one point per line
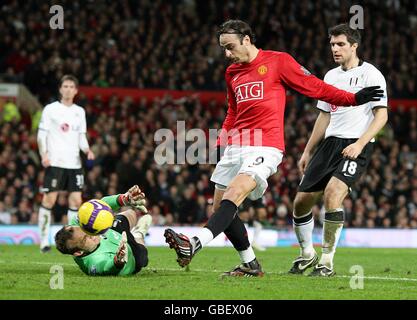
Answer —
389 274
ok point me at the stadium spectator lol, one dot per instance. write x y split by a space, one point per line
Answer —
5 215
380 179
9 112
170 43
188 208
164 36
24 213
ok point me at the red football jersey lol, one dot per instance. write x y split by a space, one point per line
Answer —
256 93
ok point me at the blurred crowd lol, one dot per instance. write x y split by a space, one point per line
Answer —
121 134
172 44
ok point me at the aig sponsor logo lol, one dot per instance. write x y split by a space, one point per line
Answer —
249 91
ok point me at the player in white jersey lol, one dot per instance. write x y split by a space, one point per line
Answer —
61 136
341 157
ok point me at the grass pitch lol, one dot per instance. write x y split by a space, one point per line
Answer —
387 274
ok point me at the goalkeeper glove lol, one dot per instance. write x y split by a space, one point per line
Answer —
135 198
369 94
120 259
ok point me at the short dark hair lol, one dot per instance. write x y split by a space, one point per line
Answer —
68 77
61 240
352 35
238 27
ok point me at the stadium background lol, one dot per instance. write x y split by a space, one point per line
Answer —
166 58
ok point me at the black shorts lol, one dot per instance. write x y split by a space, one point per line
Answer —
328 162
120 224
60 179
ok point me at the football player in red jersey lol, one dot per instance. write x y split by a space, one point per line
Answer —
253 133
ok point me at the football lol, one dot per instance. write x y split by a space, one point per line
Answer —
95 217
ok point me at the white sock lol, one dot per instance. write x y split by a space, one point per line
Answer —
247 255
332 228
205 236
71 214
44 222
257 231
303 228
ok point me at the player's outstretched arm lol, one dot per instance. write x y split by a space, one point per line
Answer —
301 80
135 198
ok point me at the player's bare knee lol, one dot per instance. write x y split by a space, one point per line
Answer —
302 204
233 193
129 213
75 200
75 204
300 209
218 196
240 187
131 216
47 204
333 198
49 199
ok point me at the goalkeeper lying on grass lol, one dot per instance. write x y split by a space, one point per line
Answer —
119 251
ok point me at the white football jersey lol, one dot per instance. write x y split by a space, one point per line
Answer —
64 125
352 122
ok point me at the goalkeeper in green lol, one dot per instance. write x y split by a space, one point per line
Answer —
121 250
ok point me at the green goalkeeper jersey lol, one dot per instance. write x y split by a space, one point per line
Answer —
100 261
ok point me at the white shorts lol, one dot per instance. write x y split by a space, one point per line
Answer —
257 161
